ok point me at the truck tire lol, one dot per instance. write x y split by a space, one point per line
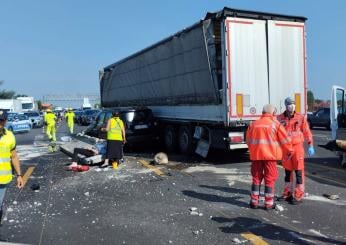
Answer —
170 137
185 140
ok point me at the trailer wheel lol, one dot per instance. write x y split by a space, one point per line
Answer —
185 140
170 138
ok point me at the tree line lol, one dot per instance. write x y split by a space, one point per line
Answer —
9 94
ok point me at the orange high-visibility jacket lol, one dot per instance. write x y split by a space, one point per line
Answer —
297 128
267 139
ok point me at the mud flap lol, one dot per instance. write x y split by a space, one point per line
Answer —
202 148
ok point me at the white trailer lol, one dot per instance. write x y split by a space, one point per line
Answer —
11 105
206 83
28 103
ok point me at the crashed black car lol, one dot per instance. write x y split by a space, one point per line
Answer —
140 125
320 118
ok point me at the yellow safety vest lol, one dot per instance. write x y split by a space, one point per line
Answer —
7 144
50 118
70 116
115 129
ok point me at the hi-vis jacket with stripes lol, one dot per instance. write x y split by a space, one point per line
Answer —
297 128
7 145
267 139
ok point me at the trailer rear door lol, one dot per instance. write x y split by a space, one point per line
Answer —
247 73
287 67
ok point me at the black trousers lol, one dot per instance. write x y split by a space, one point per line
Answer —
81 151
299 176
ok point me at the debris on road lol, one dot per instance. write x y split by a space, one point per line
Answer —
35 187
87 193
332 196
236 240
15 202
279 208
193 209
161 158
194 213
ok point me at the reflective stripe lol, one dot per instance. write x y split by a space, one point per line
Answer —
270 195
282 142
274 129
263 142
256 193
295 133
5 172
271 202
2 160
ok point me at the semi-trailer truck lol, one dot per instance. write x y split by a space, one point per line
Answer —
206 83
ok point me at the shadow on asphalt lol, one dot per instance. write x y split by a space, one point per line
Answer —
227 189
268 231
326 161
233 200
321 129
330 168
214 156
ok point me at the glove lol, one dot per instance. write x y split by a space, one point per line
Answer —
311 151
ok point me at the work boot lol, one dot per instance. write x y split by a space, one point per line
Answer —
269 198
255 191
298 195
287 193
253 206
269 207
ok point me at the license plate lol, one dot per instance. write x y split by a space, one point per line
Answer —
141 126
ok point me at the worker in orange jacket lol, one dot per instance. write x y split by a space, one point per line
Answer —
268 142
298 130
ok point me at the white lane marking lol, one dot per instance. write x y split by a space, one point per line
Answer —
317 233
231 175
321 136
297 236
28 152
323 199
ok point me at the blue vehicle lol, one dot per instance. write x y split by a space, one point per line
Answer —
18 123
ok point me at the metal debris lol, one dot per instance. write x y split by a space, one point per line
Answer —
332 196
236 240
279 208
193 209
194 213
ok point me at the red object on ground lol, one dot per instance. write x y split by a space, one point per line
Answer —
82 168
78 168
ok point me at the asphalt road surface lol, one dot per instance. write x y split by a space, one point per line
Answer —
144 204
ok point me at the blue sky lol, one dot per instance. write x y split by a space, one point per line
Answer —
58 47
